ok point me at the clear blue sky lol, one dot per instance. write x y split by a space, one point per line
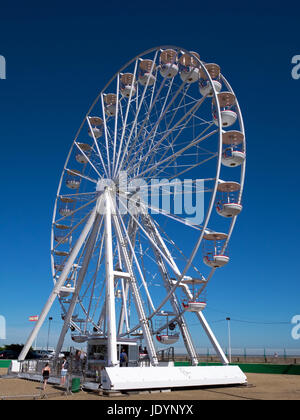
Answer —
60 56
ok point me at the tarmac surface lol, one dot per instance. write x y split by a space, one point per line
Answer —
260 387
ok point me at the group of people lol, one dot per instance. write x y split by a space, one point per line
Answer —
63 373
79 360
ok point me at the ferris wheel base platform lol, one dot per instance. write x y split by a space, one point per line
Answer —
134 378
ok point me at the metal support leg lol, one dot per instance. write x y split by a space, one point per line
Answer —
200 315
60 282
135 291
208 331
125 288
187 339
212 338
112 357
88 254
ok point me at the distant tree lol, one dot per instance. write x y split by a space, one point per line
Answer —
16 347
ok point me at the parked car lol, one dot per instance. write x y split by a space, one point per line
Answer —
45 354
13 355
48 354
8 354
33 355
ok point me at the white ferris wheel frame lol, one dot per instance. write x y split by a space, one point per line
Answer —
111 219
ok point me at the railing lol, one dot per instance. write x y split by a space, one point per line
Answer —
247 355
166 355
32 369
36 366
253 351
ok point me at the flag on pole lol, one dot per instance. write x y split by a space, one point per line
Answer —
34 318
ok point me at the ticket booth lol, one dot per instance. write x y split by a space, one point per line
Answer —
97 353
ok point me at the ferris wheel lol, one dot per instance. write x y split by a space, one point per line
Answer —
146 204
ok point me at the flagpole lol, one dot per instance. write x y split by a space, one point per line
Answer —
34 318
35 343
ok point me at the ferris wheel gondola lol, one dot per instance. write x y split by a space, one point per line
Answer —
233 151
228 202
205 87
197 301
169 335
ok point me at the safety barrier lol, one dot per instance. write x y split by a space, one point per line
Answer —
257 368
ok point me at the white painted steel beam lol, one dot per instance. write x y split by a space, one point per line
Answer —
189 295
60 282
187 339
82 273
135 292
112 356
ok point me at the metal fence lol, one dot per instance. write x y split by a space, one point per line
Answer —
32 369
252 352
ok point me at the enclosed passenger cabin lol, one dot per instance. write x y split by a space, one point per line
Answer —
59 259
170 338
228 201
147 72
194 305
189 67
205 87
60 233
168 64
110 101
127 85
66 290
227 109
233 148
168 330
58 267
61 253
196 302
66 206
215 254
84 153
97 127
79 338
73 179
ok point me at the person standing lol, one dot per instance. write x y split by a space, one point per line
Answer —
46 373
64 371
123 358
77 360
82 360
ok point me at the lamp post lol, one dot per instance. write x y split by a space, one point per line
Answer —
50 319
229 339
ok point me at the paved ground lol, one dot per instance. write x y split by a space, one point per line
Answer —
261 387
